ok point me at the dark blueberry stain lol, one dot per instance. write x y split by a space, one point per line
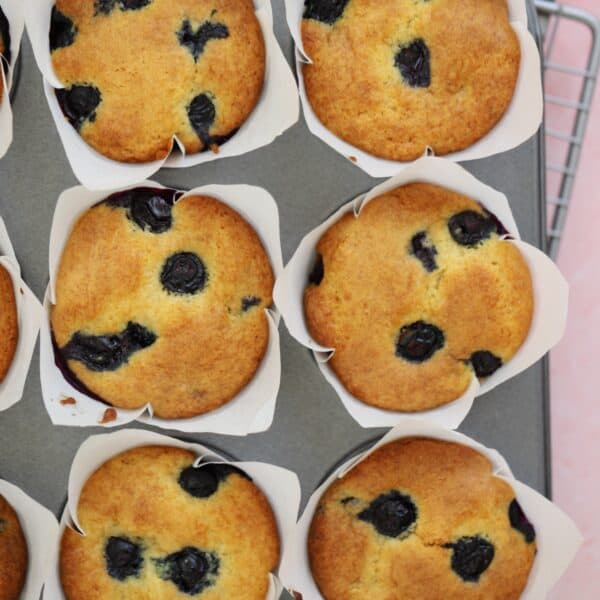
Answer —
202 114
79 103
195 41
471 556
326 11
203 481
485 363
5 37
105 7
62 30
469 228
183 273
249 302
422 248
123 558
520 522
191 570
419 341
149 208
391 514
348 500
318 271
413 62
108 352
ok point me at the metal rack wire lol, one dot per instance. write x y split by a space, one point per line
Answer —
552 15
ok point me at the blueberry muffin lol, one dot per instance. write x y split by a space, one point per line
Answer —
162 301
157 527
13 553
5 53
9 328
392 78
138 72
421 518
417 295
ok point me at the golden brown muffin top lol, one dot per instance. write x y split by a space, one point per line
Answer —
13 553
395 77
163 304
416 295
421 518
9 325
155 527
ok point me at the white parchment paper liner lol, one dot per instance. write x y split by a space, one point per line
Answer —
252 410
29 319
13 11
40 528
549 287
276 111
557 537
279 485
521 120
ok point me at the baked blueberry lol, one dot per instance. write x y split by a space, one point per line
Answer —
202 113
79 103
469 228
133 4
485 363
203 481
190 569
123 558
318 271
62 30
195 41
150 208
108 352
326 11
519 520
249 302
471 556
184 273
419 341
5 37
106 6
422 248
393 514
413 62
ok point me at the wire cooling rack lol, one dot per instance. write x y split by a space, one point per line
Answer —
569 90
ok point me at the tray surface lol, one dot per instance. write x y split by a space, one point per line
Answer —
311 430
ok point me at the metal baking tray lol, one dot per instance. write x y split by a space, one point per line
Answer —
311 430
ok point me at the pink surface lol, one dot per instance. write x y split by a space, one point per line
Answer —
575 414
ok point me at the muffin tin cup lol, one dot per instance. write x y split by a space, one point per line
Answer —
276 111
280 486
29 319
558 539
251 411
521 120
13 10
549 287
40 528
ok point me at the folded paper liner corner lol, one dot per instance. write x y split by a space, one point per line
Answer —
13 11
520 122
277 109
558 539
40 528
252 410
550 291
281 487
29 320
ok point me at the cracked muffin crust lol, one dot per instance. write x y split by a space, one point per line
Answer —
13 553
156 527
393 78
417 295
162 302
138 72
421 518
9 327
